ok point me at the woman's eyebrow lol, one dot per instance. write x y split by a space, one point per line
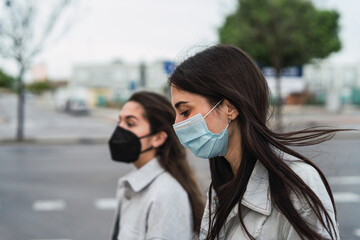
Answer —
177 105
129 117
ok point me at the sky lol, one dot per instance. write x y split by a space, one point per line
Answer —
144 30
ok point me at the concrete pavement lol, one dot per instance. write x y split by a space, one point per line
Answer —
46 125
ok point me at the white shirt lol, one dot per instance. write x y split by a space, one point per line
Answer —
152 205
261 218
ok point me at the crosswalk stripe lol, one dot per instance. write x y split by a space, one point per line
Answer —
52 239
344 180
49 205
346 197
357 232
106 203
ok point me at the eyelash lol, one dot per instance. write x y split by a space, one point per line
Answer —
185 113
127 123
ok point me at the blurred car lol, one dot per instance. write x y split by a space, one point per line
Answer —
77 107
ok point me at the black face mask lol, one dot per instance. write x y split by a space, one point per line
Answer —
125 146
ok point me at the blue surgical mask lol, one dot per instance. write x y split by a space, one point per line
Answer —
194 134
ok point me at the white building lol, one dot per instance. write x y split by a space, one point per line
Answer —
117 81
339 82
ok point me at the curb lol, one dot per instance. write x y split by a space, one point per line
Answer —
347 135
90 141
54 141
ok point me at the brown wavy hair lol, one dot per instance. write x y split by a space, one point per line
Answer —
171 155
227 72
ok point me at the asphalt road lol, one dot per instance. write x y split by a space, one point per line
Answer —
67 191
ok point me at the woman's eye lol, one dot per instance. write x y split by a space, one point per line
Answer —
130 124
185 113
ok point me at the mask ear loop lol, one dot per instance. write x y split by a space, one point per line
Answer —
213 108
228 124
146 150
149 148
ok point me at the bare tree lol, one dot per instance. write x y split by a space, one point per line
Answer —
23 37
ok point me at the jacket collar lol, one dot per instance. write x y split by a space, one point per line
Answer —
142 177
257 194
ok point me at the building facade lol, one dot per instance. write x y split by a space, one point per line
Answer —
116 81
337 83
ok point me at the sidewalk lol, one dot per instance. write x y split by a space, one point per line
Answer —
45 125
310 116
301 117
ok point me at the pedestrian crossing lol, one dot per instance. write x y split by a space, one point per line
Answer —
346 197
357 232
344 180
59 204
52 239
105 203
110 204
49 205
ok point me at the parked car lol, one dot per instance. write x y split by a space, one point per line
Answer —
77 107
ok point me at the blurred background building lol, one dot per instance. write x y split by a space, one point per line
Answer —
334 84
108 84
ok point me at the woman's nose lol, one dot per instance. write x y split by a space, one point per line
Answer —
121 124
177 119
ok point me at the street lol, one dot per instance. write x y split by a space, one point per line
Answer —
64 190
43 122
67 191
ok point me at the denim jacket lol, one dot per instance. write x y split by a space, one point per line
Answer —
261 218
152 205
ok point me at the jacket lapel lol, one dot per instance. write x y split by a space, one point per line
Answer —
258 201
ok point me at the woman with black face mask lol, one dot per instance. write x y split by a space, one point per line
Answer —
160 198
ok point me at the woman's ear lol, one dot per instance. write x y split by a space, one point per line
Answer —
159 139
231 111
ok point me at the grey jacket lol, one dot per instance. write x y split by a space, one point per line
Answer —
151 205
261 218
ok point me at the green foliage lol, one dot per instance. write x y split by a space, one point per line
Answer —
39 87
6 81
282 33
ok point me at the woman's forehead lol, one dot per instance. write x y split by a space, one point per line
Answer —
132 108
178 95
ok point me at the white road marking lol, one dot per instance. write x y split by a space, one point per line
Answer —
346 197
345 180
49 205
357 232
106 203
53 239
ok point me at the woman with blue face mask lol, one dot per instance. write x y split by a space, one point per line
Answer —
261 188
160 198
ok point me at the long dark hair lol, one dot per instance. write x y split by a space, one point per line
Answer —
226 72
171 155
